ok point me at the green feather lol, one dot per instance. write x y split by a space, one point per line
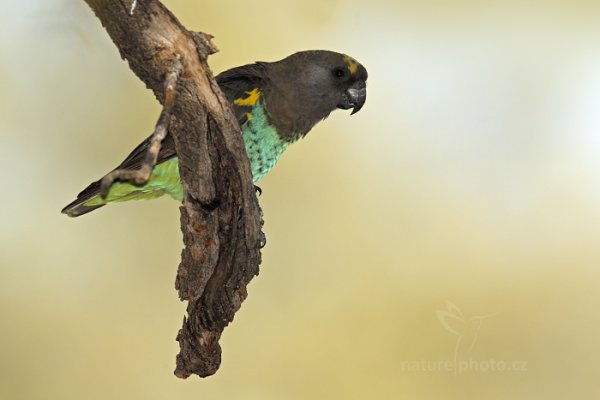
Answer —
163 180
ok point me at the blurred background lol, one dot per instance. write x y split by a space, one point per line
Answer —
440 244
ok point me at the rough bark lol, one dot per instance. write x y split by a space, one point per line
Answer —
220 216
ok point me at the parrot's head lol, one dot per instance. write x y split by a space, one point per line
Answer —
316 82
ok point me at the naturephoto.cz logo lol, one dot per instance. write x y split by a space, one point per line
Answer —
466 331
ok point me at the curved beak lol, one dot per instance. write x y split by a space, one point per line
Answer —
357 95
354 97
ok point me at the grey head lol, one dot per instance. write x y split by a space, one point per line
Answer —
307 86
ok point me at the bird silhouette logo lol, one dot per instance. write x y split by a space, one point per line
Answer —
466 329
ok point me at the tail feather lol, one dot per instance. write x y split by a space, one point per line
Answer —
164 179
77 207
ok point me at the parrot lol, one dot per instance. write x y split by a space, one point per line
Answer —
275 103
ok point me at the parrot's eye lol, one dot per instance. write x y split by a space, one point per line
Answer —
339 73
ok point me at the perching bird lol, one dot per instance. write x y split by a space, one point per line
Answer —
275 103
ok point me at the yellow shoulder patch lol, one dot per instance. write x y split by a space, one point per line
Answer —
251 100
352 64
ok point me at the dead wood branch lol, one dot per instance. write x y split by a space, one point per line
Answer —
220 217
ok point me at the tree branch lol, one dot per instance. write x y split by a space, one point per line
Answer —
220 217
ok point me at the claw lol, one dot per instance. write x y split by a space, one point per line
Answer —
263 239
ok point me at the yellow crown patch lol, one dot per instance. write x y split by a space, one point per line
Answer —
352 64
